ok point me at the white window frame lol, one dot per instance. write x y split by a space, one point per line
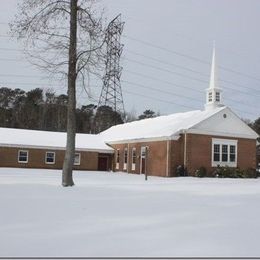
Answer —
27 157
125 162
133 164
143 156
222 142
117 158
77 163
54 157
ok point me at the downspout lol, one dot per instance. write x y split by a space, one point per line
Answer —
128 158
185 150
113 157
167 158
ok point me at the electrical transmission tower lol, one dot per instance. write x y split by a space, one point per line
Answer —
111 94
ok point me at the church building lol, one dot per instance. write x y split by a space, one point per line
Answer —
213 137
207 138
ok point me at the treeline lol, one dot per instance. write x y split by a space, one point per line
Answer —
41 110
44 110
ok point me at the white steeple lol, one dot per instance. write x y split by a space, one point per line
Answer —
213 97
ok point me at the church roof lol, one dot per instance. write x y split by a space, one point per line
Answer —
159 127
11 137
220 121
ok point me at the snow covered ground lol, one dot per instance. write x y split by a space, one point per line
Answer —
115 214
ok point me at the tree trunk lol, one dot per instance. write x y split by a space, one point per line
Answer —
67 178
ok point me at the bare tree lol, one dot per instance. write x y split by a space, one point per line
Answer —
63 37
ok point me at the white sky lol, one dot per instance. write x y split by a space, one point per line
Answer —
174 75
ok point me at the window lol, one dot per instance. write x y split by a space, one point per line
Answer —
50 157
133 159
125 158
217 96
77 159
216 152
210 97
232 154
23 156
224 152
117 158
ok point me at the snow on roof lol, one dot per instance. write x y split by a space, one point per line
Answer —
34 138
158 127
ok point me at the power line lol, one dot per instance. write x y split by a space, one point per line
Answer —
182 96
173 103
183 75
21 76
181 86
163 81
165 70
167 50
160 90
164 62
188 69
26 84
158 99
190 57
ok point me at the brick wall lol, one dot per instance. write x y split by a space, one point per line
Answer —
157 157
36 159
176 154
199 152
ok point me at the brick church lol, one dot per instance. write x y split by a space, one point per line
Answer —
213 137
210 138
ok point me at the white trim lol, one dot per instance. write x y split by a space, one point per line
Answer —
78 163
144 140
128 158
54 148
27 156
205 132
167 158
117 158
125 163
133 164
54 157
221 142
185 150
143 148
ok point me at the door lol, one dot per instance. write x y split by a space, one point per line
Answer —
103 163
143 160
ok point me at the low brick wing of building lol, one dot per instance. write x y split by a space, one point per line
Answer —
44 149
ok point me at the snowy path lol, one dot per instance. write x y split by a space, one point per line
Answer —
115 214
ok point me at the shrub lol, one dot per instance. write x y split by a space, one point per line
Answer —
228 172
180 171
201 172
250 173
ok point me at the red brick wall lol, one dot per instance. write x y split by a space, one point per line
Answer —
199 152
176 155
9 158
157 157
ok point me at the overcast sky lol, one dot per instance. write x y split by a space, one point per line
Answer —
167 54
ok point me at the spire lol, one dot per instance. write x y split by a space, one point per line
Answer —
213 75
213 97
